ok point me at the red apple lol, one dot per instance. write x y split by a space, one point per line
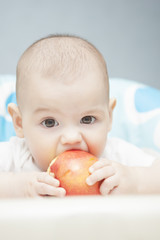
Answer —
71 168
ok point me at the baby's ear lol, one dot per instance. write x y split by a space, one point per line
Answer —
112 104
16 118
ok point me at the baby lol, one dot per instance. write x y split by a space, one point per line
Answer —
63 103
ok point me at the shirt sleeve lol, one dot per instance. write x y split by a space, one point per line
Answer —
15 156
127 154
6 159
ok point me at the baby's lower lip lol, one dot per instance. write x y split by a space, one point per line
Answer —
74 149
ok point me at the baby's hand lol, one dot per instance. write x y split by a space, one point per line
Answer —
102 170
43 184
117 178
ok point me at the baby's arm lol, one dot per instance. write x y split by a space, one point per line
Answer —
29 184
120 179
149 178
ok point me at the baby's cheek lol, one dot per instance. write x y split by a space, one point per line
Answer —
95 150
97 143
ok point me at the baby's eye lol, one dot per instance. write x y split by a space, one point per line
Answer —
50 123
88 120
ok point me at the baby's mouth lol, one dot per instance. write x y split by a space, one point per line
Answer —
75 149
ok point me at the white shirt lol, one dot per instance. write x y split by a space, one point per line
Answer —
15 155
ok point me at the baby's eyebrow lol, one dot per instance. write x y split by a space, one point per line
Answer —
42 109
54 110
94 111
45 109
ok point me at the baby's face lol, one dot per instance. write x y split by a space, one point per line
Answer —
59 115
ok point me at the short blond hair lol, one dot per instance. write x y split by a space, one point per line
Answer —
57 55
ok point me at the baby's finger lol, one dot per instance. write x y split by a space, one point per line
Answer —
100 174
109 184
99 164
51 174
48 179
44 189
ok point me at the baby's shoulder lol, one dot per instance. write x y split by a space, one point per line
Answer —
126 153
12 153
117 144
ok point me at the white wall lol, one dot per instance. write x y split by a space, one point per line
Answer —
127 32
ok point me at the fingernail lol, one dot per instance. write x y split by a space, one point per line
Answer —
88 181
91 169
57 182
51 174
63 192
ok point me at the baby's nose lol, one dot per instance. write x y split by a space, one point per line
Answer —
71 136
